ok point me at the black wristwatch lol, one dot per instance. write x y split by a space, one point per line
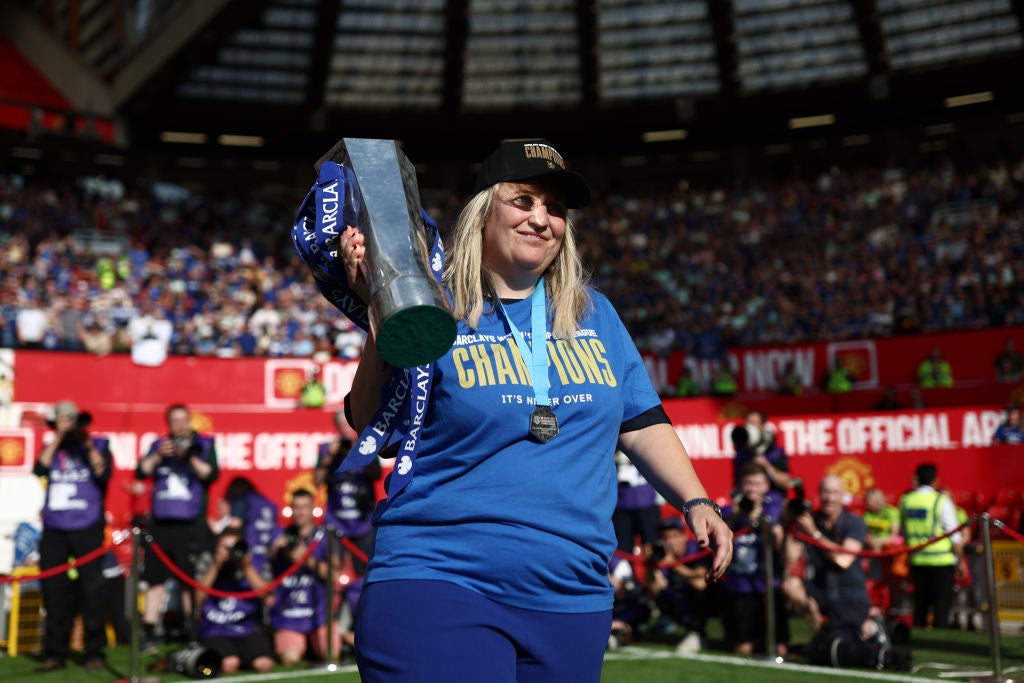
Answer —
694 502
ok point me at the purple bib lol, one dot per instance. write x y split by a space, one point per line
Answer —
346 500
177 491
229 617
74 500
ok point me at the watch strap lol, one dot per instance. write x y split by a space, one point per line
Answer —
694 502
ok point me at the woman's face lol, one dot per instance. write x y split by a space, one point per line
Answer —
524 230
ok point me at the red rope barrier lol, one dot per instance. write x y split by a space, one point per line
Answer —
637 560
240 595
1007 530
90 556
899 550
354 549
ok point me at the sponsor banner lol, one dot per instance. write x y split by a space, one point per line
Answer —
277 450
47 377
873 363
866 449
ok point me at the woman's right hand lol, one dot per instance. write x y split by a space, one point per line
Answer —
353 250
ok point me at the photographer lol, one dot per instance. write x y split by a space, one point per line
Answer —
679 590
350 495
231 626
745 618
76 467
637 511
755 442
255 515
833 595
182 465
299 609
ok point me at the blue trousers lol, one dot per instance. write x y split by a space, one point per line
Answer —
428 631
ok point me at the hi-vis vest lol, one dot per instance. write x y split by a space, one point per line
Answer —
919 512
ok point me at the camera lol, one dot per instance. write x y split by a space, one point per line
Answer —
292 538
658 551
194 661
798 504
77 434
745 506
745 436
187 447
238 552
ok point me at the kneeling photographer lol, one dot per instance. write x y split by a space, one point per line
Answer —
832 593
679 590
298 615
230 626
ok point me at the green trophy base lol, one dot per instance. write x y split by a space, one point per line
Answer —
416 335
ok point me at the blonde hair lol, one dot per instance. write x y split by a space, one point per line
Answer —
469 280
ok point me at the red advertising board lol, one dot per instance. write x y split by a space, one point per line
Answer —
276 449
874 363
251 406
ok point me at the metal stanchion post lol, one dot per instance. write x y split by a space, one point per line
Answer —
992 611
134 656
329 653
768 541
134 592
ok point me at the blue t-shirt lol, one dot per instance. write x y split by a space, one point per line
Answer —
492 509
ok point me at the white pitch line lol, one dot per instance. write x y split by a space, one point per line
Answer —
632 652
299 673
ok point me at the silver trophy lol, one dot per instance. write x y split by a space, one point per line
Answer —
409 313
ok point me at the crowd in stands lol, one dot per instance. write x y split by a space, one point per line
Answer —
848 254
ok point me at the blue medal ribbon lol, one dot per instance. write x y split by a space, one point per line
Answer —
536 359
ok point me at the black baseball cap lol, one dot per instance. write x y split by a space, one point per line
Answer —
523 159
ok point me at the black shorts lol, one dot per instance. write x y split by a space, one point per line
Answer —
182 541
745 620
246 648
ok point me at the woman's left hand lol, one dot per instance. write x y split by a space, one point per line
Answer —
710 530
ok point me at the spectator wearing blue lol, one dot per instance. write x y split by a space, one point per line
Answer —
1010 430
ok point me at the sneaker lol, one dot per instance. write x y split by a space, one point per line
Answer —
690 645
148 646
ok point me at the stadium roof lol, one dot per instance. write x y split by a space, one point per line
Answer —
447 77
